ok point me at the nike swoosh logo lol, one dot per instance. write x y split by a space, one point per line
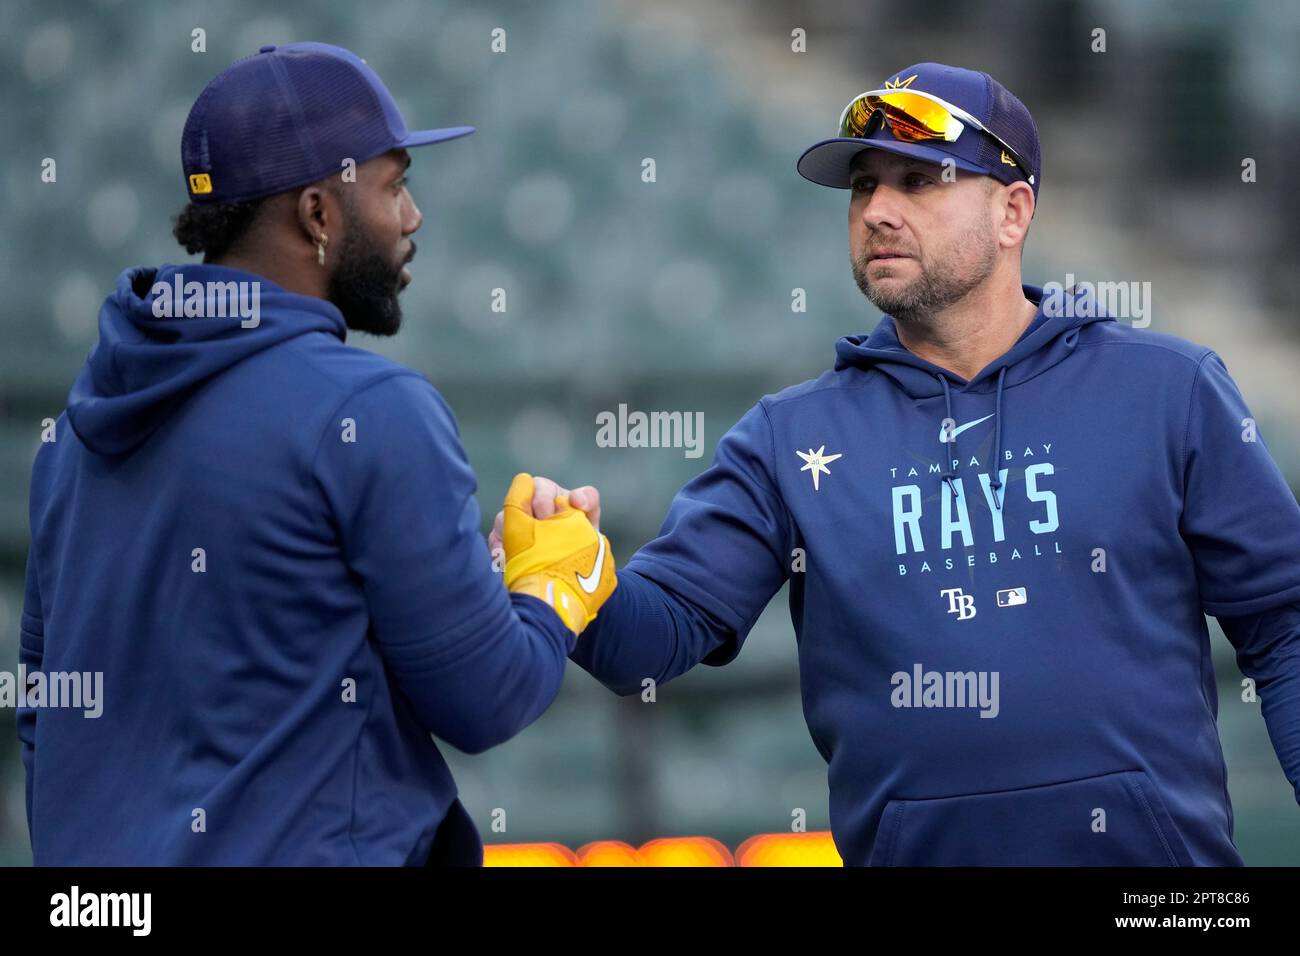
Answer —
589 584
961 428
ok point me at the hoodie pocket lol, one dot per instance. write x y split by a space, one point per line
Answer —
1115 819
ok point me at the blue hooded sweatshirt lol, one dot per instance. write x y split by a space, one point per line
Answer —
268 544
1003 654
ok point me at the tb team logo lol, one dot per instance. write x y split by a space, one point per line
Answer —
963 605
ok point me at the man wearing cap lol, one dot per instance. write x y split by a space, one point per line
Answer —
1003 516
264 542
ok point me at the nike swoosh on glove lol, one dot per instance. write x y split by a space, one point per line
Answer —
562 559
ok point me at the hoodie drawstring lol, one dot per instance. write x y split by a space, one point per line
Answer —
949 440
995 484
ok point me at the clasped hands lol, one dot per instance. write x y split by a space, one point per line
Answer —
554 549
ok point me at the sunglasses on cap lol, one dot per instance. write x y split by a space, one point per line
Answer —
914 116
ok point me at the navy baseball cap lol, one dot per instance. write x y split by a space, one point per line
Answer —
827 162
288 116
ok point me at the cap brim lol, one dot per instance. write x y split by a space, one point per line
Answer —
423 137
827 163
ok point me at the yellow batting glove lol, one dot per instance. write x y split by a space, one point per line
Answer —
561 559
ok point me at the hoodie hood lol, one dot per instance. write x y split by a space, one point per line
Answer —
1048 339
151 355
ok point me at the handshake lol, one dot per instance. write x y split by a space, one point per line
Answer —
554 549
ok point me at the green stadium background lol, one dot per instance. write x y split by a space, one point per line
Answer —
671 295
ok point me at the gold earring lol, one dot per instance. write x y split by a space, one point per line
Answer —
320 248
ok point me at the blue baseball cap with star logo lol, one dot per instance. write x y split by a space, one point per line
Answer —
998 136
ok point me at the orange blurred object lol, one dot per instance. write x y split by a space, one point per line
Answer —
608 853
685 851
528 854
765 849
789 849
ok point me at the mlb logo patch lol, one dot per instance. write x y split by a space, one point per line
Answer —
200 183
1012 596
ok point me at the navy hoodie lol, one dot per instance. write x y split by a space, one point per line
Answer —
1003 653
267 541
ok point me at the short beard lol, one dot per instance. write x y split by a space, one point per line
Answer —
934 291
365 285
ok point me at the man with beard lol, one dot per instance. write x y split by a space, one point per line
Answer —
1003 516
266 541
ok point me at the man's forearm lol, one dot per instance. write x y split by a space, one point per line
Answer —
1268 652
644 631
1281 705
